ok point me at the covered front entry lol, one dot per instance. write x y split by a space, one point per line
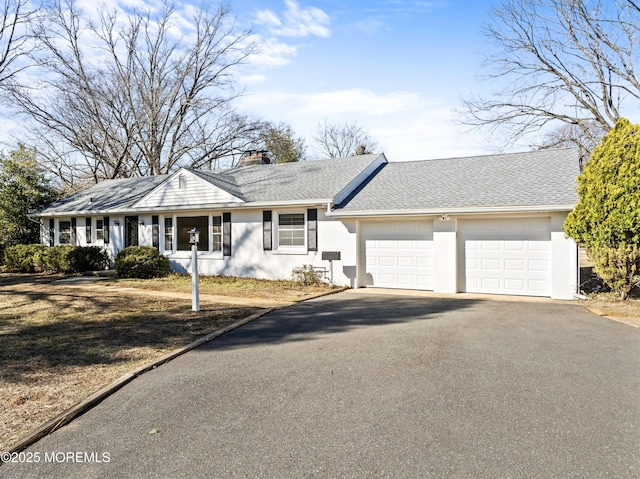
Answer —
505 256
397 254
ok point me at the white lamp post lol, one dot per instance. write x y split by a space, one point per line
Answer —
194 238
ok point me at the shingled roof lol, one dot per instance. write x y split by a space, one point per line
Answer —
298 181
104 196
323 181
538 179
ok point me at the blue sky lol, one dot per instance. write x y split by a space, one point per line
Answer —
398 68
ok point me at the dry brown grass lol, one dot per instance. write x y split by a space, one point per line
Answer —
283 290
61 343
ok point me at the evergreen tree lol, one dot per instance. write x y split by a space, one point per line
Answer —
23 189
606 219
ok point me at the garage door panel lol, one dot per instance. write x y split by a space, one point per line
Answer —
539 265
398 254
505 256
515 246
406 262
514 285
490 283
386 261
514 265
386 244
489 245
424 262
541 246
491 264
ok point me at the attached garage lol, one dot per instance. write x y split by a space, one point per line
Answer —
397 254
505 256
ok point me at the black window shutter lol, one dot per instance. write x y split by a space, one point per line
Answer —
155 233
312 229
267 236
52 232
226 234
106 230
74 227
87 230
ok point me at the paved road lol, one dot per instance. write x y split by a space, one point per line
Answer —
357 385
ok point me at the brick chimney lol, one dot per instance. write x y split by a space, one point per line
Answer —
254 157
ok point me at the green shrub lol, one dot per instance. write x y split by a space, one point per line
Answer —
37 258
56 259
24 258
618 267
87 258
141 262
306 275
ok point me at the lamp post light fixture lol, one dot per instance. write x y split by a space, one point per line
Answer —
194 239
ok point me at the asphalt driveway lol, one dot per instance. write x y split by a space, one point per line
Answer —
368 385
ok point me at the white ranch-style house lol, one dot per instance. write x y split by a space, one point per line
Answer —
484 224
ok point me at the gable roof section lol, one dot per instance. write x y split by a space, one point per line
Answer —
319 181
197 192
538 180
103 197
309 182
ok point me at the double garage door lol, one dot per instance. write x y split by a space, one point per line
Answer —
499 256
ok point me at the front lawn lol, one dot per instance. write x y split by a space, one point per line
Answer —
62 343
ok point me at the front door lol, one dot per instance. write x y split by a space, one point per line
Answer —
130 231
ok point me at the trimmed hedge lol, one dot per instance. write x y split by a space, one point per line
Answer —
25 258
141 262
87 258
37 258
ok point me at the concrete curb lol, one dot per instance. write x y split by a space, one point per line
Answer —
80 408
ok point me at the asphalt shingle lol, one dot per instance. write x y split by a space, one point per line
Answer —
105 196
538 178
303 180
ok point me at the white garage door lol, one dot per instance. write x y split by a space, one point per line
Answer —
398 254
505 256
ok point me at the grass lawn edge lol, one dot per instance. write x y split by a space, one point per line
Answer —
65 417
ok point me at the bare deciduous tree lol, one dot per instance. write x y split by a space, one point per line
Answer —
335 140
136 93
15 17
560 65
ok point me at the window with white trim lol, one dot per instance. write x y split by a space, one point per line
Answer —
211 228
99 230
291 230
65 232
216 222
168 234
187 223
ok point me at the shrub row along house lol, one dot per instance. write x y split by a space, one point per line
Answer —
485 224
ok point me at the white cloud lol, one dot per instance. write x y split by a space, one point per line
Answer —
406 125
252 79
296 21
271 52
358 101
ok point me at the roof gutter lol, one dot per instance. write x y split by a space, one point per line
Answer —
453 211
213 206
